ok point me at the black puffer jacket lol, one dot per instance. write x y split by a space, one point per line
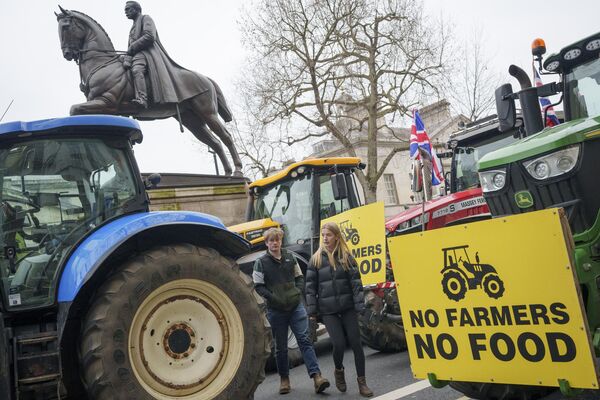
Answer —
330 291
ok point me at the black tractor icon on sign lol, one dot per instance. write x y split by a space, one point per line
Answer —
460 274
350 233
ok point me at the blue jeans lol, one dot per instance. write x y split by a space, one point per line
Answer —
297 320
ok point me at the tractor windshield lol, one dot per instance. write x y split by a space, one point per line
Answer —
582 88
466 157
53 192
290 204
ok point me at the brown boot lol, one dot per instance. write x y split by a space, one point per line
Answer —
340 379
320 383
363 389
284 386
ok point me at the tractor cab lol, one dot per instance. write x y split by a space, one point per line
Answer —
58 183
297 199
469 145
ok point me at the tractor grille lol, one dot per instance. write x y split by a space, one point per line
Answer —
575 192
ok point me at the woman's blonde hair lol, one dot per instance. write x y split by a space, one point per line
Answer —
339 255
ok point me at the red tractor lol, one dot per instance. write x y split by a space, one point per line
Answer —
464 202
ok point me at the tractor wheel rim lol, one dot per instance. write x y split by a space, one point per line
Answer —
186 337
493 287
454 286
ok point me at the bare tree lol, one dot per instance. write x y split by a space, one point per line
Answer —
314 60
261 151
261 146
472 88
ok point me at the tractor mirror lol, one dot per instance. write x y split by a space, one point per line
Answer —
338 184
505 108
152 181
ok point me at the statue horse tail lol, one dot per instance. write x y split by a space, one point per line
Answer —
224 110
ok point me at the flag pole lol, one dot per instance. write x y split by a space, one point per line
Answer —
423 206
424 192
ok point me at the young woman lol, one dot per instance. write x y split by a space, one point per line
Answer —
335 292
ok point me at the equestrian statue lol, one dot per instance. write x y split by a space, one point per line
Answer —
144 82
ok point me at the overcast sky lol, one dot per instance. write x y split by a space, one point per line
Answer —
203 35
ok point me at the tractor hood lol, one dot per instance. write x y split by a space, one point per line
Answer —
545 141
253 231
431 206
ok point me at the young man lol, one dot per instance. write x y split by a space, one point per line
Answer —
278 278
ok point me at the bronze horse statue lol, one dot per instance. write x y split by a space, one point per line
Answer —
108 87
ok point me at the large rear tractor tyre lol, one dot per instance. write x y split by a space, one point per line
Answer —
177 322
495 391
378 333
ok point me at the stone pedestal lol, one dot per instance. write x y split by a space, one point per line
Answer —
222 196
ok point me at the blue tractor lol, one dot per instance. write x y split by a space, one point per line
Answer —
102 299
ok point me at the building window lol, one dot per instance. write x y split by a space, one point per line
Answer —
391 194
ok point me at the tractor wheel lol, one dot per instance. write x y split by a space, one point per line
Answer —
355 239
175 322
454 285
493 286
380 334
496 391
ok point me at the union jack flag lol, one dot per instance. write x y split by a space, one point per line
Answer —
419 139
551 118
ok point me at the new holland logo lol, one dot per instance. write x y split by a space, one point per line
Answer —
524 199
461 274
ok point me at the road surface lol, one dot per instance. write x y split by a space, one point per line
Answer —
388 375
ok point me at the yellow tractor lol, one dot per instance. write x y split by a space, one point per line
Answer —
296 199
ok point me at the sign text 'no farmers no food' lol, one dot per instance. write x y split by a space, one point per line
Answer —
494 301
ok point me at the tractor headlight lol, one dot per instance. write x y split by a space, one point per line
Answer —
492 180
553 164
572 54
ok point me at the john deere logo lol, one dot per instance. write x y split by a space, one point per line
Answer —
523 199
461 273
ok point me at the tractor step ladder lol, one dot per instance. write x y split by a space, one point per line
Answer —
37 364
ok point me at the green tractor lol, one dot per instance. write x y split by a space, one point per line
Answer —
551 167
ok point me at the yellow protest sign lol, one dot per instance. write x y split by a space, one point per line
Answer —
364 232
494 301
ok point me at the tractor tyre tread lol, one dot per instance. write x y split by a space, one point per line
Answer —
496 391
97 374
382 335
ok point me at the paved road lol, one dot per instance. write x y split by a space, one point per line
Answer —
388 375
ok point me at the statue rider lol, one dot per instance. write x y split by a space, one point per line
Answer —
147 57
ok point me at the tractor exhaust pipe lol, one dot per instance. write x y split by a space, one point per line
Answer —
530 105
520 75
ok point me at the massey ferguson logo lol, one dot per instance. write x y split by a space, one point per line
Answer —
460 274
